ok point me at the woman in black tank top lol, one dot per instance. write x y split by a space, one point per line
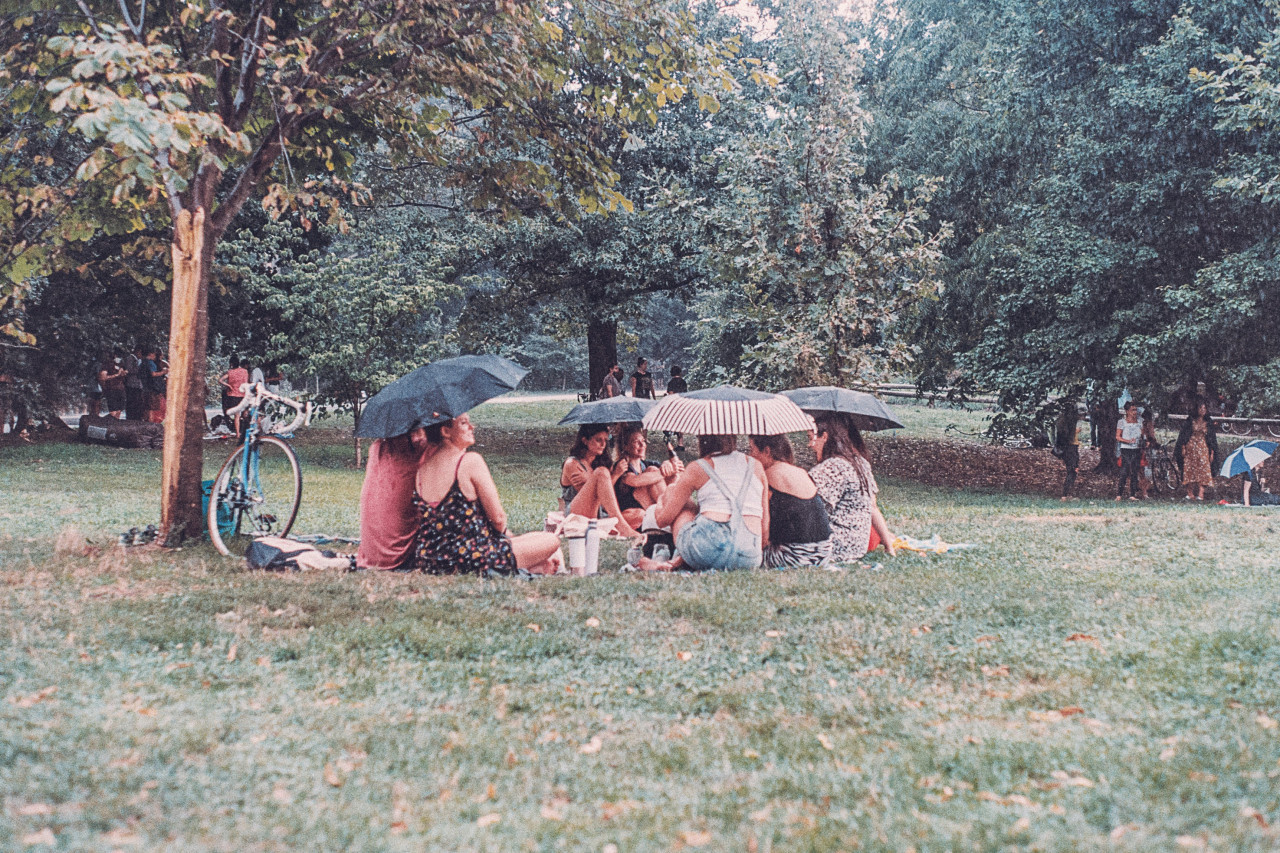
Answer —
799 530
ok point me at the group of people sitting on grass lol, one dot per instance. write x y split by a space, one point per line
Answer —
430 505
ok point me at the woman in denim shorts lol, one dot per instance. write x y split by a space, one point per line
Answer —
728 526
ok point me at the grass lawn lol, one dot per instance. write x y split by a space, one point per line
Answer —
1093 676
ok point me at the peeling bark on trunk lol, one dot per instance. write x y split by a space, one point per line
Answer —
602 351
183 458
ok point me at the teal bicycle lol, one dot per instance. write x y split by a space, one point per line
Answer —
259 487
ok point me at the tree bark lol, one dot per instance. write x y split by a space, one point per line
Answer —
602 351
1106 415
183 458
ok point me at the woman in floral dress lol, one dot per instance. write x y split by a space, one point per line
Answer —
464 527
1196 450
848 488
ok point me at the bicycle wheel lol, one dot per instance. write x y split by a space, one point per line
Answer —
1274 429
258 500
1172 477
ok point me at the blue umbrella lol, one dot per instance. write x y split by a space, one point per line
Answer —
611 410
1242 459
436 393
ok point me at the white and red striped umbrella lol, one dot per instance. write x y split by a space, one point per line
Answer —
726 410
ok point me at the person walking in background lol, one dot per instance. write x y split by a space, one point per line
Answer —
612 386
1196 451
135 393
1129 439
1066 443
1149 441
676 385
641 381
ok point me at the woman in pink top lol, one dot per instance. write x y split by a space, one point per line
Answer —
388 519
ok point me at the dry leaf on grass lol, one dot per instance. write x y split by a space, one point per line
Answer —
592 746
1085 638
121 835
331 776
987 638
534 627
35 698
593 622
695 837
684 656
32 809
1251 812
1265 721
281 794
488 819
44 836
825 741
773 632
231 653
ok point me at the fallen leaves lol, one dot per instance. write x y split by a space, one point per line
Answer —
773 632
593 622
34 809
231 653
490 819
1085 638
987 639
696 837
592 746
34 698
534 627
825 741
44 837
1265 721
684 656
331 775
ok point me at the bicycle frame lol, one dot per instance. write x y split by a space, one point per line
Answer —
249 486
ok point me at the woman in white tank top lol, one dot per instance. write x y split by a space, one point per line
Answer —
729 525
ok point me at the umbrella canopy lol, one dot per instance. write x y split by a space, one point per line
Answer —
1244 458
867 413
726 410
437 392
609 411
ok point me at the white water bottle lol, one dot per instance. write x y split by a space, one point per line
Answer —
593 548
578 554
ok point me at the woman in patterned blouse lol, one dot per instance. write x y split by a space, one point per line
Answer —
844 479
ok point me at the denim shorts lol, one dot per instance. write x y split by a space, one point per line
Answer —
706 544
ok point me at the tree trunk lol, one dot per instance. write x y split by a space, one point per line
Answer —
1106 417
183 458
602 351
355 429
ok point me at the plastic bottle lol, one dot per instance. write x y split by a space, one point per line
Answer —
593 548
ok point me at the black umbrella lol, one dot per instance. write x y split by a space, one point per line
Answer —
611 410
867 413
437 392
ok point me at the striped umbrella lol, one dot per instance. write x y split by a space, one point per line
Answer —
726 410
1248 456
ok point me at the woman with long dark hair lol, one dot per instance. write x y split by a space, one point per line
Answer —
464 527
799 530
844 479
640 483
1196 450
586 479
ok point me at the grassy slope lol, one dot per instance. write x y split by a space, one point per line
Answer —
939 702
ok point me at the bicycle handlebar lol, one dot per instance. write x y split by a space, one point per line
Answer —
255 394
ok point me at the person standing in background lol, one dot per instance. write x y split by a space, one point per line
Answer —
154 382
135 394
1066 443
641 381
111 378
1129 440
612 385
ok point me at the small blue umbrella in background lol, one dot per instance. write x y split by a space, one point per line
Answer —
436 393
1244 458
609 411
